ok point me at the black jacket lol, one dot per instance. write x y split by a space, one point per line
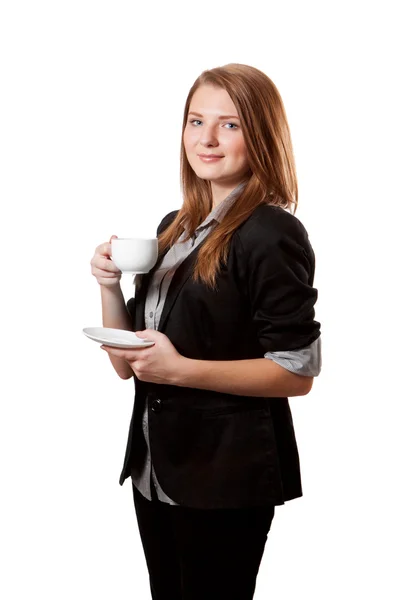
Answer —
220 450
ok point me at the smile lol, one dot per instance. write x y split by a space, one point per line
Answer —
209 159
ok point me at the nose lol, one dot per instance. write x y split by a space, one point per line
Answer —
208 136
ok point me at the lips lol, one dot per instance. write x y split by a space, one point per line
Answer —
210 155
209 158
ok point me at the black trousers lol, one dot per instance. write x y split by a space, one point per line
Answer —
196 554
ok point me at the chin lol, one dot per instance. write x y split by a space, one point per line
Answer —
202 174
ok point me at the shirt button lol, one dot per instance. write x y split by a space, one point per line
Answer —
151 314
156 405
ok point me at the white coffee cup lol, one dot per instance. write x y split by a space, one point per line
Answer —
134 255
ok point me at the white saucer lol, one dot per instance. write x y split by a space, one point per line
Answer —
118 338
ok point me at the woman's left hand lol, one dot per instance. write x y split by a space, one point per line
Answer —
159 363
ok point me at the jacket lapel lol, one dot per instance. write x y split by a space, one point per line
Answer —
181 275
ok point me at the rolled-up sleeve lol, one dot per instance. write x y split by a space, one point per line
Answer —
306 361
280 265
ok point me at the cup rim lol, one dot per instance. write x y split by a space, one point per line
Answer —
135 238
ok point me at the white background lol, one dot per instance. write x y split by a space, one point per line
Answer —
92 97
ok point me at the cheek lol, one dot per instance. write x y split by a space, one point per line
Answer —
187 139
240 151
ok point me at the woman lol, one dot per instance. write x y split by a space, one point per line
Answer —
230 306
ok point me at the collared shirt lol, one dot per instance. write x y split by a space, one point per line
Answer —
306 361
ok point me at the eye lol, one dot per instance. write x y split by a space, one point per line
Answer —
193 121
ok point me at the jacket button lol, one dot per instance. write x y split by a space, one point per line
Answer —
156 405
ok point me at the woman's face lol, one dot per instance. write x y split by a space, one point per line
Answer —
213 127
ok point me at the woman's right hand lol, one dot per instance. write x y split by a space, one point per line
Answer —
103 268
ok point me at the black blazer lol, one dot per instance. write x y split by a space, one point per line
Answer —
220 450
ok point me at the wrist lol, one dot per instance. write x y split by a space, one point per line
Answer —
110 289
183 370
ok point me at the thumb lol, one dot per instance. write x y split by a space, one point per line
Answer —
113 237
145 333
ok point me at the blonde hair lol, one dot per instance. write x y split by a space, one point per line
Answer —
272 178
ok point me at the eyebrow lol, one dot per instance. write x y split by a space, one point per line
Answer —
221 117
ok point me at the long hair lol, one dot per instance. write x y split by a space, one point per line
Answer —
272 178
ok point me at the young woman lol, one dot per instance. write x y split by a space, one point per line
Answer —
230 306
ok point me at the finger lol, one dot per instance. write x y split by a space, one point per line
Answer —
121 353
147 333
105 249
107 265
104 274
114 351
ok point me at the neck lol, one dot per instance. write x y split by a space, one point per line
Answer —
220 192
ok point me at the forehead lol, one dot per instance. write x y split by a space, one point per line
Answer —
212 100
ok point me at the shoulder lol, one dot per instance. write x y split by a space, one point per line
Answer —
165 221
272 233
270 224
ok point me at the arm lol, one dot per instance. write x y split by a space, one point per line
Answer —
276 264
115 315
118 315
283 374
253 377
